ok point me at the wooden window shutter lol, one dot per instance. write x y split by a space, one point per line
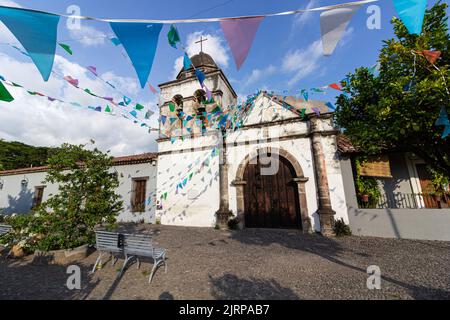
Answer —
376 167
139 191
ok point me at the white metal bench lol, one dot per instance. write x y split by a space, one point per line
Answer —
136 246
4 228
107 242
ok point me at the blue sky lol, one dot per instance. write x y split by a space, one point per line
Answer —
286 55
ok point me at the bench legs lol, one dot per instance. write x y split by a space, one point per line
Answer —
161 260
99 260
127 259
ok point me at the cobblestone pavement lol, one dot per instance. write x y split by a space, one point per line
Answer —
249 264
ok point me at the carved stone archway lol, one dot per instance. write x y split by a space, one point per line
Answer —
300 179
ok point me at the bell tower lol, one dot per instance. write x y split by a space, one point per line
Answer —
185 96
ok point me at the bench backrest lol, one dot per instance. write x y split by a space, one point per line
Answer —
4 228
107 241
138 244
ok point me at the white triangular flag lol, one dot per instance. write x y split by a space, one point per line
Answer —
332 25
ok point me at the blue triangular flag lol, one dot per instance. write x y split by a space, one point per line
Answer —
330 105
200 76
126 100
140 41
186 62
443 118
37 32
115 41
446 131
99 109
172 120
163 119
133 113
411 12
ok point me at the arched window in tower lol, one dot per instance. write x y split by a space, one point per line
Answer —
200 98
178 100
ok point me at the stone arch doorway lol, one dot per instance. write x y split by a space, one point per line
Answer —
272 199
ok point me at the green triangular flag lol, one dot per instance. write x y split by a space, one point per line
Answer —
4 94
139 107
107 109
171 107
16 85
66 48
173 36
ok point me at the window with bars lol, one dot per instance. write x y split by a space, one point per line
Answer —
138 194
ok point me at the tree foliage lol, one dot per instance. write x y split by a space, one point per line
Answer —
15 155
86 197
397 109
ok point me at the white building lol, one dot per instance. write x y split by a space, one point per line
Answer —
281 169
22 189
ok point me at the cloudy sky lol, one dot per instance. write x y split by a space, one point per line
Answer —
286 57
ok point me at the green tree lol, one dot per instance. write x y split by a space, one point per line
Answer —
86 197
398 108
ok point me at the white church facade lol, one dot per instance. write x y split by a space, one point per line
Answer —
280 169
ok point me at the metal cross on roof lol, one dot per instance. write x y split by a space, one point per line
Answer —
201 43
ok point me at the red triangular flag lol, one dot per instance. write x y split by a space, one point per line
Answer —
431 55
335 86
240 34
153 89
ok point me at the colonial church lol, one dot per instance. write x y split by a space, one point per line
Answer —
279 169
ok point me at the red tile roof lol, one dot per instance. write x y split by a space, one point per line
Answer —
118 161
345 145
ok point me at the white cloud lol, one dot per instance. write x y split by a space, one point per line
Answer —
258 74
37 121
10 3
302 61
88 36
215 46
306 61
301 19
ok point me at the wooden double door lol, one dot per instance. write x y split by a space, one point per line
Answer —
271 201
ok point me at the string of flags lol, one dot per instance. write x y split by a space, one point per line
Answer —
6 96
126 101
37 32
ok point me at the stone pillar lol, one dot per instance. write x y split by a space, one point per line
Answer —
306 220
325 211
240 185
224 213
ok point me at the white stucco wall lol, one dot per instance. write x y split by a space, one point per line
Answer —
197 202
15 199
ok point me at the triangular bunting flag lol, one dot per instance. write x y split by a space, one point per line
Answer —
163 119
171 106
172 120
411 12
446 131
4 94
93 70
107 109
173 36
332 25
152 89
140 41
37 32
240 34
200 76
330 105
335 86
71 80
139 107
66 48
115 41
443 118
186 62
431 55
133 113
